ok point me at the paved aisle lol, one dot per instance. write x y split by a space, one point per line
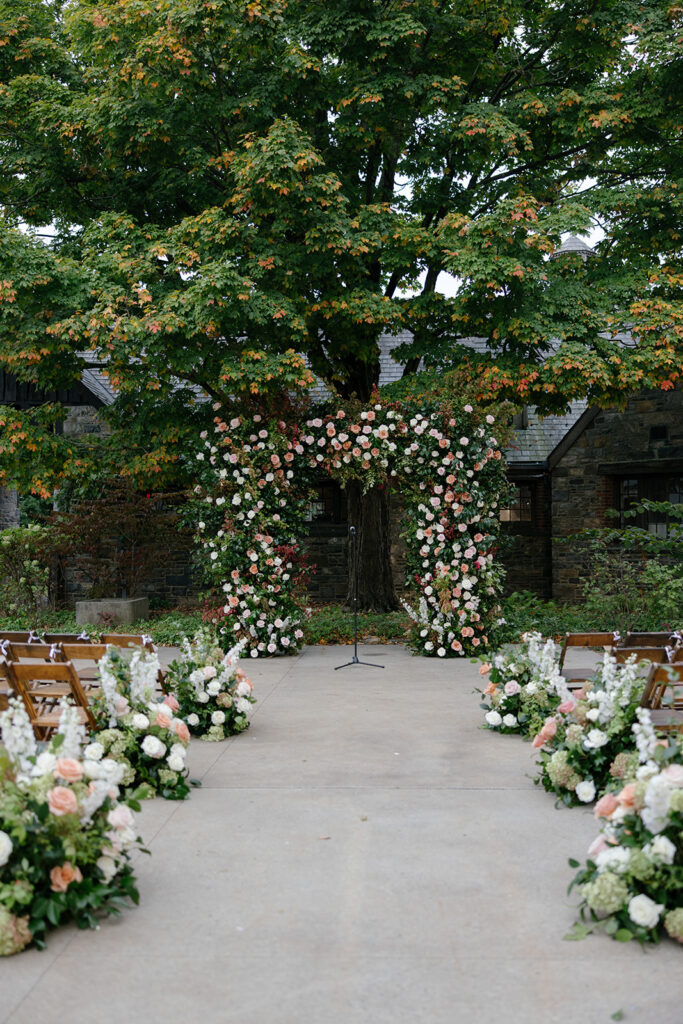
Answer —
363 855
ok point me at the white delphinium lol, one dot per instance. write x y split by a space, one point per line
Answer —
144 671
108 686
657 798
18 738
72 729
107 785
644 735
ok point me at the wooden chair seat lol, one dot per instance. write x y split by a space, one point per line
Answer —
667 719
29 681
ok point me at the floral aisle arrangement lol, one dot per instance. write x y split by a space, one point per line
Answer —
255 494
137 729
524 687
214 695
65 837
580 742
632 883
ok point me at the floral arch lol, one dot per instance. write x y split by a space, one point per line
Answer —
257 475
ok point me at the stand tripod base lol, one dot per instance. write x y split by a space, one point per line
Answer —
356 661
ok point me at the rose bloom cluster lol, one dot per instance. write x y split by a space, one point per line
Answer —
257 486
65 836
213 693
137 728
631 884
588 730
524 686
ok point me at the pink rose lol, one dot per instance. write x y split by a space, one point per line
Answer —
181 730
69 769
512 687
121 705
62 877
121 817
62 801
566 706
162 720
171 702
538 740
549 728
597 846
674 775
606 806
208 671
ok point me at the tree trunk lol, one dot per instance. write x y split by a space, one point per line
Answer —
369 513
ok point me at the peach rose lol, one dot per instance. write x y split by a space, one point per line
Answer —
121 705
549 728
162 720
566 706
538 740
171 702
62 877
62 801
579 694
627 796
69 769
484 669
181 730
606 806
491 688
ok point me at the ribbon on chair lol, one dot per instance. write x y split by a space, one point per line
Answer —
616 636
147 640
84 636
4 648
670 652
676 637
33 637
55 651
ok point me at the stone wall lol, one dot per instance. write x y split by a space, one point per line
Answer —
525 548
586 479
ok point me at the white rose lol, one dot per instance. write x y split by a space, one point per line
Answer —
593 714
140 721
193 719
214 687
197 677
153 747
493 718
643 911
661 849
509 721
6 847
243 688
595 739
218 717
585 791
208 671
175 763
441 652
45 763
531 689
243 705
203 697
615 858
94 751
107 866
92 769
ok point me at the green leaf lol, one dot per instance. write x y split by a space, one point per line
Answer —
617 1015
623 935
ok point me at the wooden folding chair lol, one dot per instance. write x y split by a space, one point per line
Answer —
91 653
667 638
661 679
40 684
653 655
590 640
7 684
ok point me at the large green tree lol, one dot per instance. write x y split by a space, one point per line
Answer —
230 182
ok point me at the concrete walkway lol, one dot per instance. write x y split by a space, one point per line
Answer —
365 854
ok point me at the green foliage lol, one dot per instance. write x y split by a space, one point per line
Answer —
333 624
633 595
24 568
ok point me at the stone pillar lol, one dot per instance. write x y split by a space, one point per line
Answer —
9 508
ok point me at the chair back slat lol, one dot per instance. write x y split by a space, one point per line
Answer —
128 640
586 640
31 675
665 638
655 655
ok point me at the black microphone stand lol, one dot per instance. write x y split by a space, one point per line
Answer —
354 659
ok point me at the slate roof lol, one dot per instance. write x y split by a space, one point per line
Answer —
535 442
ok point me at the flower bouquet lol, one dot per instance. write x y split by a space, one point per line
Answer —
213 693
525 686
632 883
137 729
65 839
580 743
